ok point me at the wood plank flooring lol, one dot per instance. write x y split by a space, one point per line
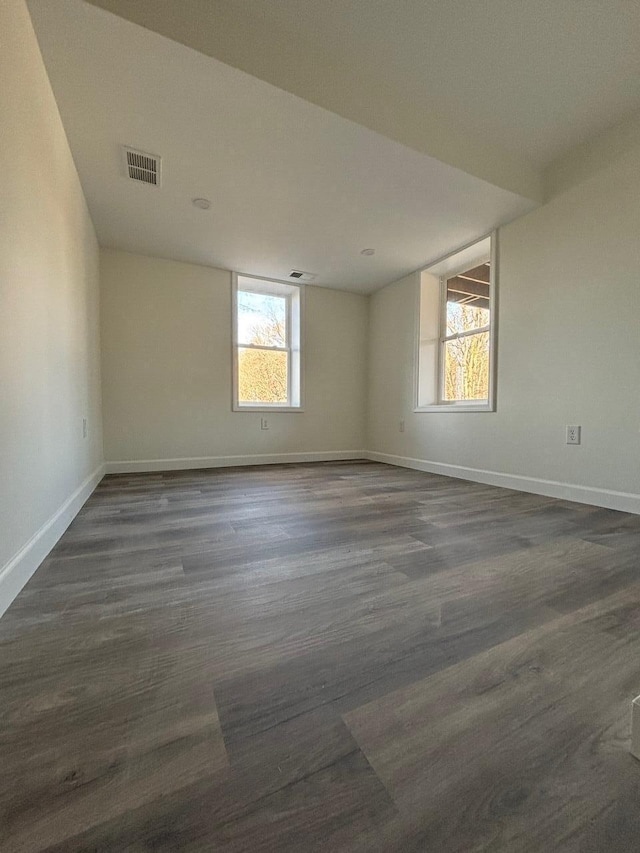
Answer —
341 657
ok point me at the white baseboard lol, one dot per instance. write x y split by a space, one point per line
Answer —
189 462
15 573
624 501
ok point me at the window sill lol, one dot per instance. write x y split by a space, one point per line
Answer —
456 407
267 409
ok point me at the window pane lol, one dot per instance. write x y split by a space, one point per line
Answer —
262 319
466 368
468 300
262 376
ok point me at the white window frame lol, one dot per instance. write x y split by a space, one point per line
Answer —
443 405
293 348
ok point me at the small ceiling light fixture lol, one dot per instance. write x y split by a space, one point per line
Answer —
202 203
368 252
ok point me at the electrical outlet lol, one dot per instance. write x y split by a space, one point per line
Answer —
85 428
264 423
401 426
573 435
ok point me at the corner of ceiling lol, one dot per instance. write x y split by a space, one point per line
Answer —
591 156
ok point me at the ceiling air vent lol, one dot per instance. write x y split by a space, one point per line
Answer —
142 167
302 276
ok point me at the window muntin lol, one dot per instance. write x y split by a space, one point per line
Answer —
267 350
455 355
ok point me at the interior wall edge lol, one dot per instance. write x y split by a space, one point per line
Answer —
590 157
17 571
607 498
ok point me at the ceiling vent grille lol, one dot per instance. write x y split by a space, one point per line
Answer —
302 276
142 167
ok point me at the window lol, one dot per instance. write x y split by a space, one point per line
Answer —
456 331
267 358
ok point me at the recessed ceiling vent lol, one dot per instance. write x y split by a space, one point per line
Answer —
302 276
142 167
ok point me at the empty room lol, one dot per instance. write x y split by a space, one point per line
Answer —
319 426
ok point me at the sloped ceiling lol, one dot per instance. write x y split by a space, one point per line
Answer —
291 185
318 129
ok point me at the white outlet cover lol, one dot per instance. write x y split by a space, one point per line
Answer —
573 434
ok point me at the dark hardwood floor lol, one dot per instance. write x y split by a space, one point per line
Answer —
334 657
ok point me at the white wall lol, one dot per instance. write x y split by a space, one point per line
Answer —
166 366
49 329
568 352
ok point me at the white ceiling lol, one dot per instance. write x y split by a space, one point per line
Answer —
531 78
291 185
